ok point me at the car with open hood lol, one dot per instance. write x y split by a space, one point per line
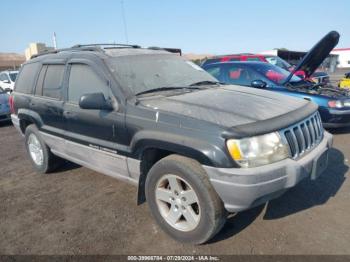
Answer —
317 77
194 148
334 103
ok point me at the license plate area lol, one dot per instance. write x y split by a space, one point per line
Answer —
319 165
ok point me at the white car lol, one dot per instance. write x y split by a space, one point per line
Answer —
7 79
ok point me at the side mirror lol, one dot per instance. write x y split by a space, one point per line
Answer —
8 90
258 84
94 101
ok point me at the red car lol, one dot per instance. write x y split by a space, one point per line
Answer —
237 57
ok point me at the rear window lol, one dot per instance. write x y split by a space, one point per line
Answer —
13 76
53 80
253 59
26 78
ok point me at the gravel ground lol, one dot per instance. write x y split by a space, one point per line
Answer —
78 211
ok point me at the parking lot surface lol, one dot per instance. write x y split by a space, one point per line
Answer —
78 211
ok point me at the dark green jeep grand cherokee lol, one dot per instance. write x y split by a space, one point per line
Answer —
195 149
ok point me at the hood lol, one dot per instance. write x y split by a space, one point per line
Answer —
314 58
235 106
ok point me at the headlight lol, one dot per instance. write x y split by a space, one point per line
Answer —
258 150
335 104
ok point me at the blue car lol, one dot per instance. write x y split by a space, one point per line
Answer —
4 106
334 103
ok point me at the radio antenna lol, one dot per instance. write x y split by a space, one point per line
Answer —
124 22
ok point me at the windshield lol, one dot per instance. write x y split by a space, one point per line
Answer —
140 73
13 76
275 60
274 73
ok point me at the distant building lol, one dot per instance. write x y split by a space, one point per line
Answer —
36 48
343 57
294 57
11 61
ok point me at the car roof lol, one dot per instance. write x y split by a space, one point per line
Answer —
240 63
112 50
9 71
237 55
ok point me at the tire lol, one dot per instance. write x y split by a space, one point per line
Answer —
198 217
49 161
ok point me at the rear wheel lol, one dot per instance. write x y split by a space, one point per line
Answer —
183 201
39 153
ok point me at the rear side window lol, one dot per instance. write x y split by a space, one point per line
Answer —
52 85
26 78
83 80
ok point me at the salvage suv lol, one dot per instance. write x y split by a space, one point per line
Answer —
195 149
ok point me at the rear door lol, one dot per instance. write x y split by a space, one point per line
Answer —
48 102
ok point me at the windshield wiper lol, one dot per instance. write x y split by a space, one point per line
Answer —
164 88
207 82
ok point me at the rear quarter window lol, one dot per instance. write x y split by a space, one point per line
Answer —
26 78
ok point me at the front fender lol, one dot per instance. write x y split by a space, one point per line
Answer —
203 151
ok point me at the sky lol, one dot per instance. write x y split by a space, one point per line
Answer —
195 26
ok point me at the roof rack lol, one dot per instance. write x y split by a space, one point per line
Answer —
99 47
55 51
169 49
114 45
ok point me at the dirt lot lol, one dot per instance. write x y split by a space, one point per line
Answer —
78 211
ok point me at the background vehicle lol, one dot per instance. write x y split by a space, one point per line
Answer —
345 81
7 79
143 116
5 113
317 77
334 104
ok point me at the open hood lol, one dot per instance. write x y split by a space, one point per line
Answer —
314 58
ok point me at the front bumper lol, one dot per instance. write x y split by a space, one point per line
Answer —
335 118
244 188
5 117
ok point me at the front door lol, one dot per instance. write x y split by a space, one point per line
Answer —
93 136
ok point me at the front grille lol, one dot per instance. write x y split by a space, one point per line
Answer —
304 135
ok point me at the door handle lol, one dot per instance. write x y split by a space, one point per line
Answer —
69 114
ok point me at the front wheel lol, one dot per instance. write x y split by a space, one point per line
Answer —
183 201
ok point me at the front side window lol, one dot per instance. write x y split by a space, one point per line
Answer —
83 80
239 75
53 81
